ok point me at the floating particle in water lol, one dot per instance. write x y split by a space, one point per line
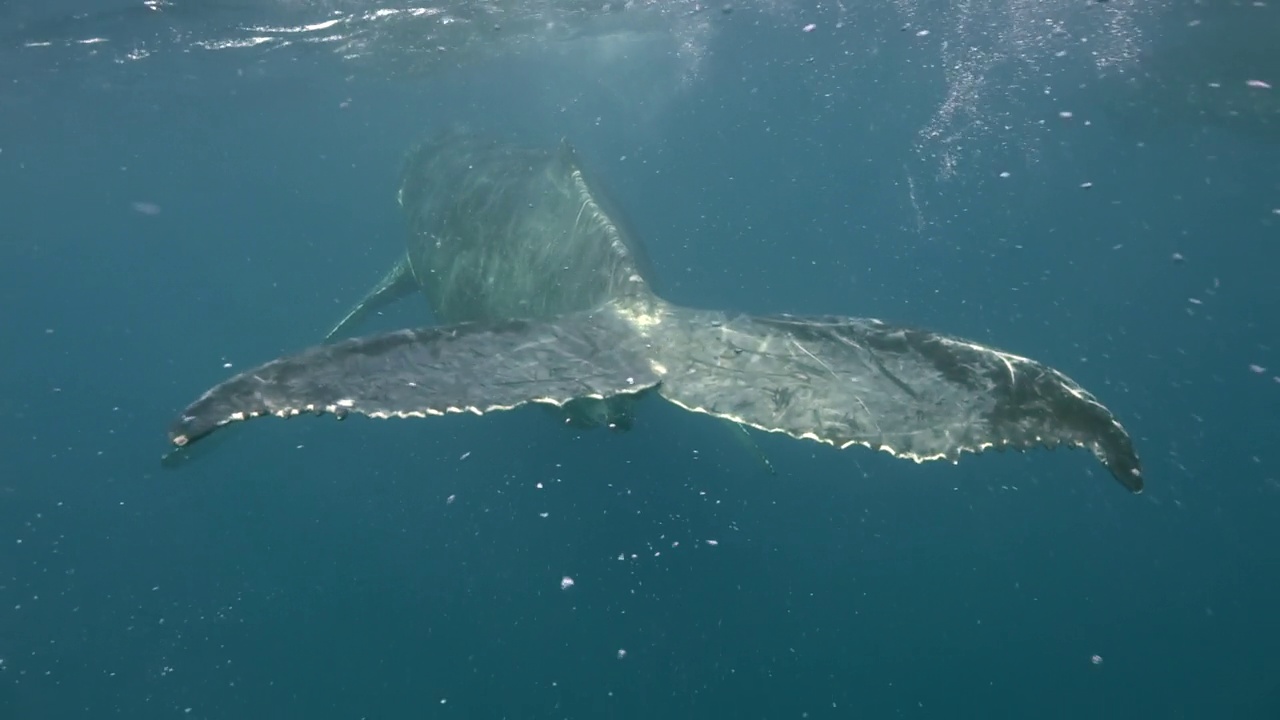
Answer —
1177 257
1257 369
810 27
622 653
566 582
1260 84
146 208
1086 185
1095 659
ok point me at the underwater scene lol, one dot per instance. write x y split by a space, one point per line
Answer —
759 359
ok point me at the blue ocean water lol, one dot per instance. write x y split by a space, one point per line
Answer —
186 195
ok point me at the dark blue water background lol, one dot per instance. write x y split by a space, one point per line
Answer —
315 569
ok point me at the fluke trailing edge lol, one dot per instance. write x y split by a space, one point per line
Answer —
549 303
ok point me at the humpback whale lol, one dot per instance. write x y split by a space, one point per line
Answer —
546 302
453 188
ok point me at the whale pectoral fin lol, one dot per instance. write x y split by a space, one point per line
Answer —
566 154
397 283
472 367
914 394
